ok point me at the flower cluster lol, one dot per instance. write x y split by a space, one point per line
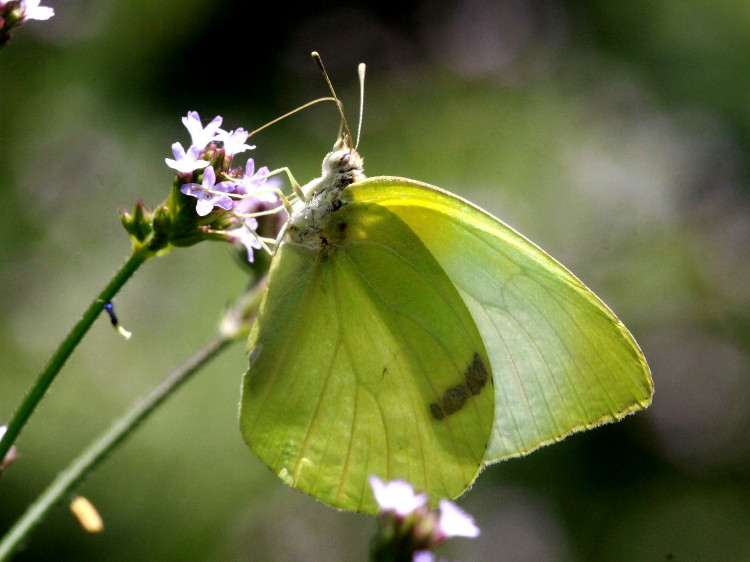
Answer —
15 12
211 200
409 527
242 194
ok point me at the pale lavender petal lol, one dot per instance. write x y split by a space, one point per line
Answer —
207 201
185 162
205 193
397 496
247 239
234 141
253 182
199 134
454 522
209 178
33 11
251 223
209 182
225 186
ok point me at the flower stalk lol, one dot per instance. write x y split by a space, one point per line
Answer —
234 327
66 347
197 208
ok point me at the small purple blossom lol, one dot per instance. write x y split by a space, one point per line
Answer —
206 193
454 522
234 141
246 236
257 188
185 162
260 181
199 134
397 496
408 528
33 11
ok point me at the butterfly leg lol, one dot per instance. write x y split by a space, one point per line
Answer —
295 185
279 238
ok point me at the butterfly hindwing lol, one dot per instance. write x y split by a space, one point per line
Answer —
365 360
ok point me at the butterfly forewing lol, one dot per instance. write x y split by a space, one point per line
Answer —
365 360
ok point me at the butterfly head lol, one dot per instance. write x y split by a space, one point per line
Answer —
343 165
309 223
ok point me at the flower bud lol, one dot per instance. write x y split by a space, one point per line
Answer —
162 220
137 224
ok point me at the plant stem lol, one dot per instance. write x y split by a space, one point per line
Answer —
109 440
234 327
66 347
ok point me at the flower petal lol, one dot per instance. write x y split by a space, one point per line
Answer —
185 162
199 134
454 522
397 496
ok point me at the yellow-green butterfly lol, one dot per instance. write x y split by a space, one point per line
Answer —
406 333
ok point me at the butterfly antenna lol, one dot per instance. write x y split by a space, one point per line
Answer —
361 71
319 62
293 111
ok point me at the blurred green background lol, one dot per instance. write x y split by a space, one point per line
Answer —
615 135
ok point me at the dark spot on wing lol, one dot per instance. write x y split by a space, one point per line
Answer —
437 411
476 375
455 397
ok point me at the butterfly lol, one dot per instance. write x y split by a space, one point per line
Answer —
407 333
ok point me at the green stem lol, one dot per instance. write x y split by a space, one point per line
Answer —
66 347
99 449
234 327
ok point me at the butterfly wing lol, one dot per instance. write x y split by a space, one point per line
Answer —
365 360
561 360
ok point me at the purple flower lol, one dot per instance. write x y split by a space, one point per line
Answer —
258 185
207 195
246 236
199 134
259 181
33 11
234 141
185 162
397 496
407 527
454 522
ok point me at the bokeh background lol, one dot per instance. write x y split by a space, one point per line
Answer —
614 134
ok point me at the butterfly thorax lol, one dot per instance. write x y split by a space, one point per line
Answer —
312 224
